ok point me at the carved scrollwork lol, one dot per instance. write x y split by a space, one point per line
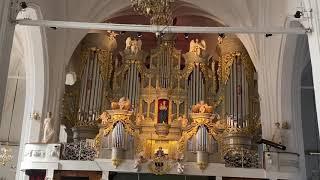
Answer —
202 119
109 120
105 61
225 63
70 105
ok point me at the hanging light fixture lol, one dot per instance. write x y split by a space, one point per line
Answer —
159 11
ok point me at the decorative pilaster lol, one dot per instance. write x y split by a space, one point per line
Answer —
7 12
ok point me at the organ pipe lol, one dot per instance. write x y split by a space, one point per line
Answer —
202 141
91 90
132 84
119 138
238 93
196 85
165 68
118 133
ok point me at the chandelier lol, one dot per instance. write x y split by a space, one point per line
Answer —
5 155
159 11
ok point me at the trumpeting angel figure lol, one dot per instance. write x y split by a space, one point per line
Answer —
133 45
197 47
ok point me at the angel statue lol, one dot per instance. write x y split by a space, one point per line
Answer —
180 165
138 161
133 45
128 43
183 121
123 104
197 47
276 137
48 129
202 107
112 42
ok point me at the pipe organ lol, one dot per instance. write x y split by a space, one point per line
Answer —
238 94
172 103
237 77
94 84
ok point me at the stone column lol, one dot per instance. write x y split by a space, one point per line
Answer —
6 39
314 42
49 174
105 175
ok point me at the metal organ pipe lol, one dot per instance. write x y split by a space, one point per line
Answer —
118 136
164 68
82 92
88 88
238 95
202 139
196 85
241 94
130 78
91 89
193 87
132 83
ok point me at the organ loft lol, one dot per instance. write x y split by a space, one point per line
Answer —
163 104
159 89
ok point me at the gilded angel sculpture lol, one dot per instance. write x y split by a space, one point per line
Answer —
133 45
112 42
197 47
128 43
122 104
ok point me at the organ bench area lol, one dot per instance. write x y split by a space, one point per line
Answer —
160 112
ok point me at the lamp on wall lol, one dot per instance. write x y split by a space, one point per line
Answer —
71 78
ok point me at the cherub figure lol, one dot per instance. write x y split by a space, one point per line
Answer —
183 121
140 118
123 104
202 107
